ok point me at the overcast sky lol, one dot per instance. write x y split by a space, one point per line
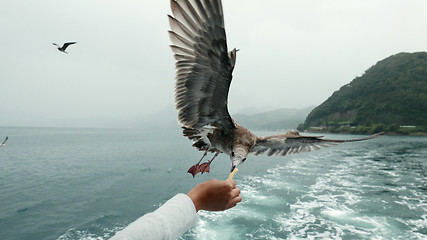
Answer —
293 54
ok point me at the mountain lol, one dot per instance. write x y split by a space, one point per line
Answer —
284 118
389 96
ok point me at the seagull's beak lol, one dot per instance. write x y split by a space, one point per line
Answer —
238 156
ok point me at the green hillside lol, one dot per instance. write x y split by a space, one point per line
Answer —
390 96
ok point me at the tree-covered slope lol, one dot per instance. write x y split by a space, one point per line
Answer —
390 94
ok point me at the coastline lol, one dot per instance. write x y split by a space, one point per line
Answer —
386 133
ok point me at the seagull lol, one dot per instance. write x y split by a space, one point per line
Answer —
3 143
204 69
64 46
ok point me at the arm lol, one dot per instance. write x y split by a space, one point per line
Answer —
178 214
169 221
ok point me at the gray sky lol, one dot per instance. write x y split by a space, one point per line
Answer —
293 54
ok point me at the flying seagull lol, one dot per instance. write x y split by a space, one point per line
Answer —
3 143
203 76
64 46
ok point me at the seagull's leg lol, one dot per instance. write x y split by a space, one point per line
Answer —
196 167
205 167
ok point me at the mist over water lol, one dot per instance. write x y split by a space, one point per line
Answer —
58 183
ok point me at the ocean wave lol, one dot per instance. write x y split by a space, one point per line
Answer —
89 234
95 230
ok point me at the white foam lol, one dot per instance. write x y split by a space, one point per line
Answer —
335 213
76 234
328 199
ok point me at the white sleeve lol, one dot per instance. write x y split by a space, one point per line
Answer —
169 221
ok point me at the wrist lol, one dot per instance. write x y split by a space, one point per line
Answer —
196 200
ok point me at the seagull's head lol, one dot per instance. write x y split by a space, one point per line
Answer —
238 156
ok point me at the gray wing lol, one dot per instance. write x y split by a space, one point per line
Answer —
5 140
203 65
293 142
67 44
200 138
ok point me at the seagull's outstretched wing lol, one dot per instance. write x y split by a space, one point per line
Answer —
203 65
4 141
67 44
293 142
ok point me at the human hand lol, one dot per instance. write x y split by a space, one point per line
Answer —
215 195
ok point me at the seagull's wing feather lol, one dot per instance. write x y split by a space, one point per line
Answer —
292 142
4 141
203 65
67 44
200 138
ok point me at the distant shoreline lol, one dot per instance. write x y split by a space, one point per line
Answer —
387 133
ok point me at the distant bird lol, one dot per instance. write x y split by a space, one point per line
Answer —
64 46
4 142
203 77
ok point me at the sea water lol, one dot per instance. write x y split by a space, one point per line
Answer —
59 183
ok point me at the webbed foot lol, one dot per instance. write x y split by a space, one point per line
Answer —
194 169
205 167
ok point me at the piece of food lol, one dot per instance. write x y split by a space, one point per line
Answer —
230 177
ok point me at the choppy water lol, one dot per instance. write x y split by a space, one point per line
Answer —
89 183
